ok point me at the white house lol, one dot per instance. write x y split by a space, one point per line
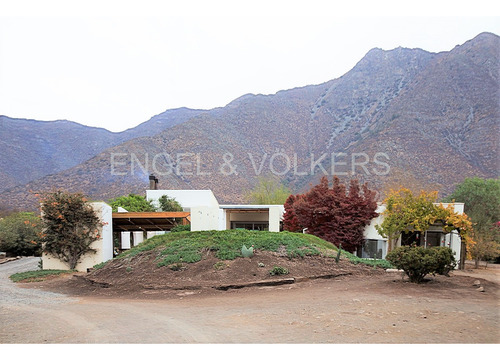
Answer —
207 214
203 212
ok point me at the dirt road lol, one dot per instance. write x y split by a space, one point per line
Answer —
347 310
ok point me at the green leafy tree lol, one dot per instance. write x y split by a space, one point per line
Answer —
169 204
484 246
133 203
482 201
70 226
268 191
20 234
482 204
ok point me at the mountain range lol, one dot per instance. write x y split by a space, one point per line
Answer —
400 117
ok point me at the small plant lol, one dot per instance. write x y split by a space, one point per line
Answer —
417 261
176 267
220 265
278 270
247 252
338 253
128 269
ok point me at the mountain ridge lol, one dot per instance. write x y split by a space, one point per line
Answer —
412 105
31 149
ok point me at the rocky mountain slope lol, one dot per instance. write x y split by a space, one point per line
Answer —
31 149
399 117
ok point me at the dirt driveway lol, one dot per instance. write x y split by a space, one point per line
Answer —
342 310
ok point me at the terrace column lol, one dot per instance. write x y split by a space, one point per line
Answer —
125 240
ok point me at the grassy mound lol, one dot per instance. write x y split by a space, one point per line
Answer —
212 260
189 247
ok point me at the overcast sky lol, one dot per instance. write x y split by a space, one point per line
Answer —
114 64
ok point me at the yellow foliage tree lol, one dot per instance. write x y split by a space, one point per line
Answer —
407 212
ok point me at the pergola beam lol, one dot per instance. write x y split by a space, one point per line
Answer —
148 221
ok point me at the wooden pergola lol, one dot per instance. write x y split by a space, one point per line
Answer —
149 221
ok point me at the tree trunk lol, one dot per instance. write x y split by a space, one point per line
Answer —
463 255
72 262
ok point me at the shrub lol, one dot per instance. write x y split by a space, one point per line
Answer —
132 202
176 267
445 261
417 261
19 234
169 204
180 228
278 270
220 265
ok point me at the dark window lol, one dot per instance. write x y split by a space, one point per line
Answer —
372 249
411 238
433 238
258 226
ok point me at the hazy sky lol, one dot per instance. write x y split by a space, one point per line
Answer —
114 64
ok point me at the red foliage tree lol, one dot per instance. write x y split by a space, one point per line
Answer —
337 214
290 222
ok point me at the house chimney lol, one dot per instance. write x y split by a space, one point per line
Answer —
153 182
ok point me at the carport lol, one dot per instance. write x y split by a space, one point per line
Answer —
149 221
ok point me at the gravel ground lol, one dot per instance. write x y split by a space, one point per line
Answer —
354 309
14 295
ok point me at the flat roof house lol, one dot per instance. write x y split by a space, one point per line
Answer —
207 214
203 212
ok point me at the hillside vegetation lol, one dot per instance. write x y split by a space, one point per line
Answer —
188 247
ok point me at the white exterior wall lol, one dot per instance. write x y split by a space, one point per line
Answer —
222 220
103 246
206 214
204 218
275 216
454 242
187 198
370 230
